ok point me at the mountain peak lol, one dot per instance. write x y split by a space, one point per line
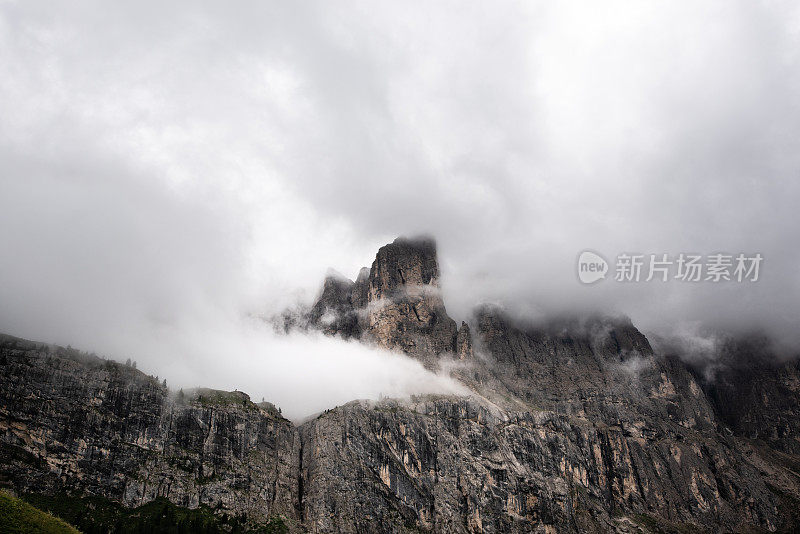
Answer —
404 262
396 303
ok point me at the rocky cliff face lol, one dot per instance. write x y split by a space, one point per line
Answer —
574 426
581 428
333 312
449 465
395 304
81 425
756 393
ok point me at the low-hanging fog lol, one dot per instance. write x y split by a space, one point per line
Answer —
170 172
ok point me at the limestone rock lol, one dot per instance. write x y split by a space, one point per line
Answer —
464 343
333 312
756 392
572 425
82 425
455 465
396 304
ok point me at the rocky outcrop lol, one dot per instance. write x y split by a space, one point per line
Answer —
573 425
463 347
395 304
404 309
580 427
77 424
756 392
598 366
457 465
87 426
333 312
400 264
607 434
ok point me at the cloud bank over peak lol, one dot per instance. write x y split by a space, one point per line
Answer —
169 169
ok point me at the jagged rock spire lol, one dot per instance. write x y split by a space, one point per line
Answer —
403 263
396 303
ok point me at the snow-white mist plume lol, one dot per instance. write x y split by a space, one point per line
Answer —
303 374
169 169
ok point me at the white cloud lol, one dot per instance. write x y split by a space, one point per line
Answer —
192 163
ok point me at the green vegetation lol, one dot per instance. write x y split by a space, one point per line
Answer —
94 515
215 397
271 409
275 525
19 517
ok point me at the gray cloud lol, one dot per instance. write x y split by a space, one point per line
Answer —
167 170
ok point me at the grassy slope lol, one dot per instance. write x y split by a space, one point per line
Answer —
19 517
94 515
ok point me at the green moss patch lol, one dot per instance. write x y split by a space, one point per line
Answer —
218 398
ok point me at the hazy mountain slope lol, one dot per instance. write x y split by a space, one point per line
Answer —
575 425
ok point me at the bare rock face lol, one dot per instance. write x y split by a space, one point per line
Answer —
456 465
595 366
464 349
401 264
601 435
586 428
647 461
396 304
756 393
333 312
360 294
81 425
573 425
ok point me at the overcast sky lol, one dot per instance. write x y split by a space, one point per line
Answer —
167 170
